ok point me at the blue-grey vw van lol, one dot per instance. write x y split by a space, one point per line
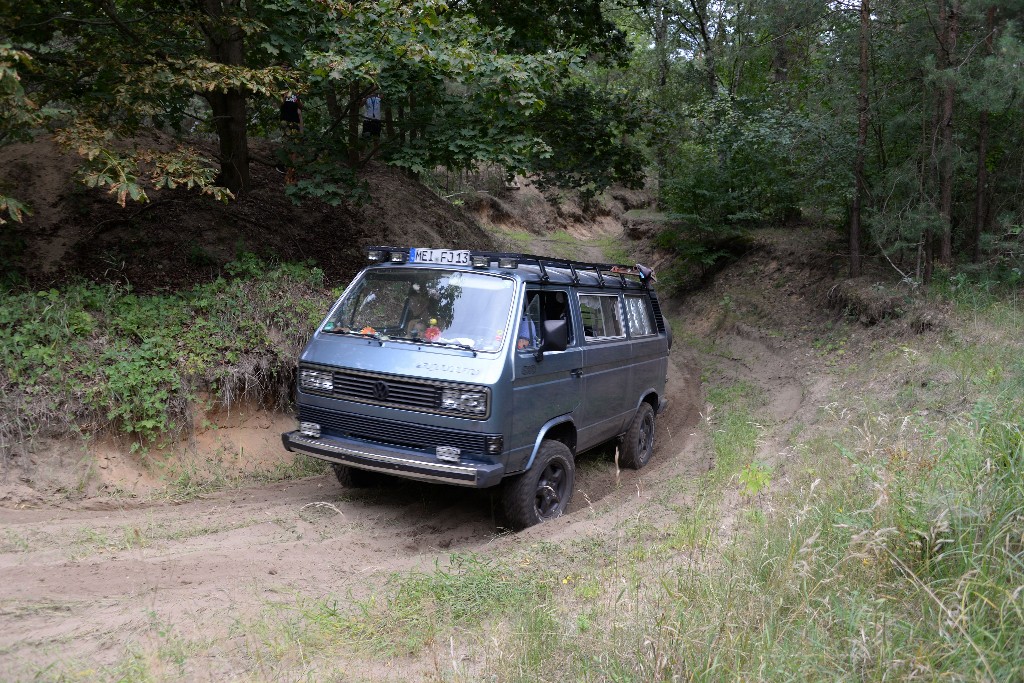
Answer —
481 368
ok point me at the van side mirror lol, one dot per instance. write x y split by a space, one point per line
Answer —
556 335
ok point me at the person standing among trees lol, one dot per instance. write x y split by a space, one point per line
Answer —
291 124
291 113
371 116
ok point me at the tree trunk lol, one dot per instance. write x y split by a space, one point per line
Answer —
353 124
414 117
950 21
403 123
703 16
981 193
225 44
780 60
334 112
659 33
862 138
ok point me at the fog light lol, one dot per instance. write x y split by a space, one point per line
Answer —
494 444
375 255
508 262
310 429
481 261
399 256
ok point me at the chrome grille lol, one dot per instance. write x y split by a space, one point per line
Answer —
393 432
386 390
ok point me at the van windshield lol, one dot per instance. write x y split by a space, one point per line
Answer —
453 307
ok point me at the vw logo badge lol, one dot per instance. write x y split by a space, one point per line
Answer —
380 391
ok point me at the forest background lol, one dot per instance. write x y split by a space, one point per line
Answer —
898 122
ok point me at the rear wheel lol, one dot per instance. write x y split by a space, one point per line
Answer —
544 491
355 478
638 443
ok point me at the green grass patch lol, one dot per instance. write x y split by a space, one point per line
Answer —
415 609
894 554
734 441
92 358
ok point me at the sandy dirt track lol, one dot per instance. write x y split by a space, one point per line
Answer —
77 582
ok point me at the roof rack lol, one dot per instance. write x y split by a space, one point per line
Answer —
643 276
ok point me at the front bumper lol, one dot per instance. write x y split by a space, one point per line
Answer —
392 460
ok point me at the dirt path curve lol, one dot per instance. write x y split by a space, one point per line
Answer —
75 582
77 585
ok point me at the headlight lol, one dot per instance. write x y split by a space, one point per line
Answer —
460 400
316 380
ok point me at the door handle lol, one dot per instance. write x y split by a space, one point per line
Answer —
578 372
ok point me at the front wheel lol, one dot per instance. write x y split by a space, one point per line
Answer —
543 492
638 444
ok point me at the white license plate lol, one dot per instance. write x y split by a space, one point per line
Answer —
447 257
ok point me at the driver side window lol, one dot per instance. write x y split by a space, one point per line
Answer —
541 305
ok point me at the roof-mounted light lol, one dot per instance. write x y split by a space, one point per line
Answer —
480 261
376 255
399 256
508 262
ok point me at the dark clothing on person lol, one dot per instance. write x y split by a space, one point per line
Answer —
371 117
290 111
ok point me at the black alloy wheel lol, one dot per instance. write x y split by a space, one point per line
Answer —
638 444
543 492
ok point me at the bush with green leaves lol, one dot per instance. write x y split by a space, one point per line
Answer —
97 358
734 169
586 129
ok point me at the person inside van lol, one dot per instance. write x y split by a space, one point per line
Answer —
527 336
554 306
421 323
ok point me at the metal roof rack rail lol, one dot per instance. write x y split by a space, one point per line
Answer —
643 275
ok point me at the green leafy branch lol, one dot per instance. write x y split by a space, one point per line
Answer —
128 174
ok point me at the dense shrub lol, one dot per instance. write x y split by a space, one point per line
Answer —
95 358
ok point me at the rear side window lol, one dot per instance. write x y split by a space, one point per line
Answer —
639 316
602 316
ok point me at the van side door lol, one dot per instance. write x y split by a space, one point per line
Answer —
546 388
607 401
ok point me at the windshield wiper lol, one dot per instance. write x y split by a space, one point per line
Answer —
422 340
365 335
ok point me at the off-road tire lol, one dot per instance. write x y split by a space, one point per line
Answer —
355 478
638 444
543 492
